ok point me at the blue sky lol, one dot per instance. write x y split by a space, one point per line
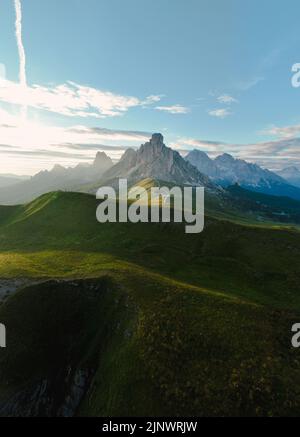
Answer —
206 73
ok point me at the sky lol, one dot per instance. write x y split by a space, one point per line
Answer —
77 76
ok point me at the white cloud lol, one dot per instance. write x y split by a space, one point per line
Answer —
154 99
227 99
71 99
220 113
174 109
284 132
2 73
110 134
204 145
28 146
270 154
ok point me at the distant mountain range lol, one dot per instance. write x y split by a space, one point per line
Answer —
157 161
7 180
153 160
59 178
291 174
225 170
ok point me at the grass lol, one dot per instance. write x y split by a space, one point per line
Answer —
185 325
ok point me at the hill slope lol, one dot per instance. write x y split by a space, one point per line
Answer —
283 209
171 323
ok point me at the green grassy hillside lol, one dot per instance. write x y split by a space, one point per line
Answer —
170 323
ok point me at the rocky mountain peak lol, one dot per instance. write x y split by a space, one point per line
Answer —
155 160
155 150
226 158
157 139
102 160
58 168
203 163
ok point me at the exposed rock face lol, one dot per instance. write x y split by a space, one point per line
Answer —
59 385
203 163
45 399
226 170
155 160
239 171
77 388
10 286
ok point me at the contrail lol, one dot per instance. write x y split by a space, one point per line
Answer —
21 50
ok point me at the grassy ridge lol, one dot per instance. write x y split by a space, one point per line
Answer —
204 323
58 235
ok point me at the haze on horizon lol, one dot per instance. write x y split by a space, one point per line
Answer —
79 77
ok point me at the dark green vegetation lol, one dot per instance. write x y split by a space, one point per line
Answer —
171 324
283 209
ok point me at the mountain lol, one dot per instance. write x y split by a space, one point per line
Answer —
59 178
226 170
204 163
291 174
6 180
155 160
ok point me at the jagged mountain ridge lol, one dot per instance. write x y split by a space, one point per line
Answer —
155 160
59 178
226 170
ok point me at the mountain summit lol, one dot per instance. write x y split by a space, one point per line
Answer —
155 160
291 174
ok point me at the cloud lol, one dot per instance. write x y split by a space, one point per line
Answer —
98 147
30 146
111 134
227 99
250 83
46 153
285 132
270 154
174 109
21 50
71 99
220 113
153 99
184 144
7 119
6 146
2 72
273 154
